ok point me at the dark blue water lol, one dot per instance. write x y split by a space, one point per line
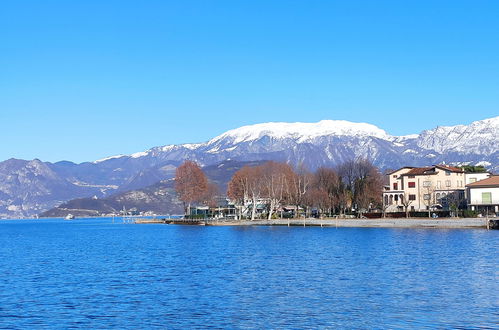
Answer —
95 274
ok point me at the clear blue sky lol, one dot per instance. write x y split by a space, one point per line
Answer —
81 80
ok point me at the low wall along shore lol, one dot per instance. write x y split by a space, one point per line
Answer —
387 223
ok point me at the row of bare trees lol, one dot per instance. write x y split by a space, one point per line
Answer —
353 185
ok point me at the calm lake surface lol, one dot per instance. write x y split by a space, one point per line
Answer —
92 273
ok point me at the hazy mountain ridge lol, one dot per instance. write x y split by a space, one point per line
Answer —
159 198
29 187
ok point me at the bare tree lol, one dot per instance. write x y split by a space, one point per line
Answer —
328 181
298 187
246 184
316 198
363 184
346 171
276 180
190 183
406 202
455 200
210 198
427 194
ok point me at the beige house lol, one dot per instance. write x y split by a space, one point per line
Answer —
483 195
423 188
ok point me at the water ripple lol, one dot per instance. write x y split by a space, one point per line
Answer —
95 274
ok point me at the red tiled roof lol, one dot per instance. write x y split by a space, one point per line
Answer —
431 170
492 181
421 171
450 168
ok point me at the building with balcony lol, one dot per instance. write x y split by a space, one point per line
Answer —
422 188
483 195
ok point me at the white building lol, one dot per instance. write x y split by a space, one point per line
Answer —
474 177
483 195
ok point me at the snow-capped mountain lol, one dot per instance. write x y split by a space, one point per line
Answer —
326 143
480 137
301 132
330 142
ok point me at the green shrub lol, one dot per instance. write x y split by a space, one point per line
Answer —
470 214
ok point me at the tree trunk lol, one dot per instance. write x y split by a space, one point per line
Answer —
253 209
271 209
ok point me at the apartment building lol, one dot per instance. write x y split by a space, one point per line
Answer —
423 188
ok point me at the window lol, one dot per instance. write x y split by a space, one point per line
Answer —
411 176
447 183
395 176
426 183
412 208
426 197
412 184
395 186
412 197
439 184
396 198
486 198
447 173
472 180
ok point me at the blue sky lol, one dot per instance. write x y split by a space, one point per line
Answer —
81 80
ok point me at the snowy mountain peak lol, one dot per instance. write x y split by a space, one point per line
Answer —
480 136
301 131
108 158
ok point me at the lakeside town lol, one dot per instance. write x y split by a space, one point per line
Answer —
355 189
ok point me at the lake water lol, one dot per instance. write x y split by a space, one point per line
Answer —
96 274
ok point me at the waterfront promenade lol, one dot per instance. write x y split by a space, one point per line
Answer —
384 223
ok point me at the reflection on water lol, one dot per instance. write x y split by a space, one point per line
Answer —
94 274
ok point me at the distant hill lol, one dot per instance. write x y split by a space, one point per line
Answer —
159 198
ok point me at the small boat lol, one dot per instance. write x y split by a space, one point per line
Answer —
69 217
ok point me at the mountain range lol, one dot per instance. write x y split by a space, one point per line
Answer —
31 187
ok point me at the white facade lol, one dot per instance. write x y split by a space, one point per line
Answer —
485 198
474 177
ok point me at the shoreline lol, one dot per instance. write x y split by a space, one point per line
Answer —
344 223
443 223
